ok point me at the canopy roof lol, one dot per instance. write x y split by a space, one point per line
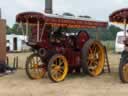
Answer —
119 16
59 20
32 17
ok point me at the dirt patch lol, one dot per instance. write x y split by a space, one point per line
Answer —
106 84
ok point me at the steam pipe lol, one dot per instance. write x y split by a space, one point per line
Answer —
125 25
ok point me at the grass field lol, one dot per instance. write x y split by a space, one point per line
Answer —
110 45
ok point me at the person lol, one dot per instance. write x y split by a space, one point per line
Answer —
57 36
4 68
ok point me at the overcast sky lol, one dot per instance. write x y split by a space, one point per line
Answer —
98 9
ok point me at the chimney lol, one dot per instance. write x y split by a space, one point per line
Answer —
48 6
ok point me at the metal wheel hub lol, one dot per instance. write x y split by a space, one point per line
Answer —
57 68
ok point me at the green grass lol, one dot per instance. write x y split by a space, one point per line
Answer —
110 45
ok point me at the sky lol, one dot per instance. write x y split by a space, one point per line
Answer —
97 9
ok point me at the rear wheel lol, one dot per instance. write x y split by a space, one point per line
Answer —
93 57
123 67
57 68
35 68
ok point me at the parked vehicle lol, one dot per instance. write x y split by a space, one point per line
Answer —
59 48
16 43
121 17
119 44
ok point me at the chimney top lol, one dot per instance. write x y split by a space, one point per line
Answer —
48 6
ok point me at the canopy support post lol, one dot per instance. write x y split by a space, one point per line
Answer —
38 30
43 31
97 35
27 25
22 28
125 25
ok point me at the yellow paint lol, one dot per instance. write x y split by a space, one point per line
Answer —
125 72
59 68
96 58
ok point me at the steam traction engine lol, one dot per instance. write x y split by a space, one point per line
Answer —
121 17
58 49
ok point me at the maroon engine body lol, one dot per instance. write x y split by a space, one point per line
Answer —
70 44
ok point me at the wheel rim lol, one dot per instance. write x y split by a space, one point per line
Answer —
95 61
125 72
58 68
36 67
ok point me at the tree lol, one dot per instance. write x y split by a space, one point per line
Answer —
68 14
14 30
113 29
9 30
109 34
104 33
82 16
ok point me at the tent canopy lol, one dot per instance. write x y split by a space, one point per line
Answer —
119 16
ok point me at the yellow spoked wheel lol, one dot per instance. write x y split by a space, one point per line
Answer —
93 57
57 68
123 71
35 68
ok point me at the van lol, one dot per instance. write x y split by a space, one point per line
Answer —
119 43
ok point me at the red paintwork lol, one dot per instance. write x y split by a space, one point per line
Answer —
119 16
70 47
57 20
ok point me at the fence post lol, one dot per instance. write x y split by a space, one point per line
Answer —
17 63
14 63
7 60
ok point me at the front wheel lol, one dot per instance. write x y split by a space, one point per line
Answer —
57 68
35 67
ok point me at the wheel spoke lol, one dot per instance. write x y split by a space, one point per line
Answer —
59 74
53 65
36 59
93 47
53 72
31 64
39 61
90 67
61 62
96 61
60 71
56 75
56 62
90 63
95 50
90 51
